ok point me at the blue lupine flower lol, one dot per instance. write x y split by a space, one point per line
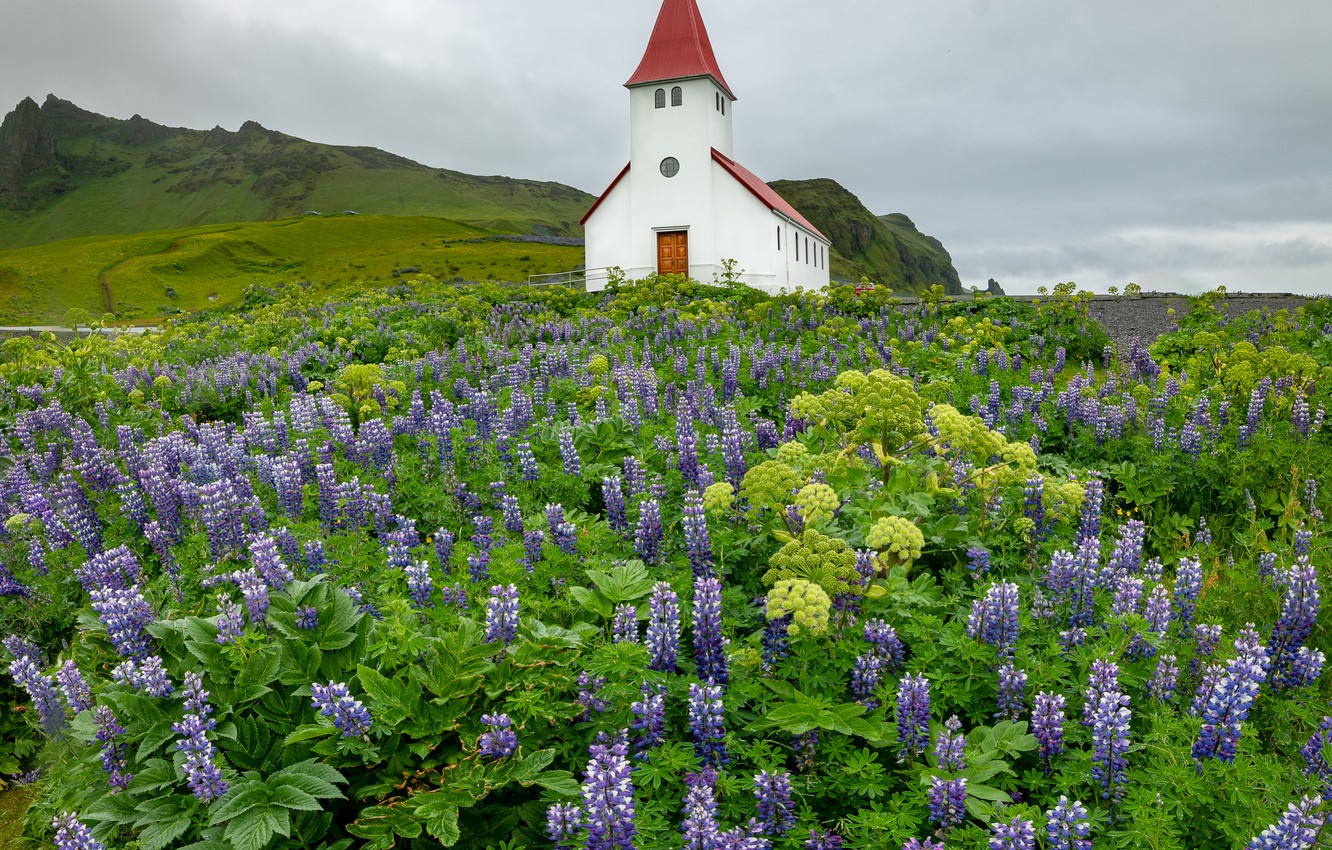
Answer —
649 718
994 618
573 465
699 824
204 776
1017 834
1228 705
950 746
75 688
608 796
649 535
126 615
1012 693
71 834
707 723
776 813
335 701
589 695
922 844
444 540
1047 725
663 631
420 586
697 541
108 733
1298 829
948 801
1299 615
563 823
978 560
1108 715
533 539
502 614
1188 585
823 840
307 617
147 676
913 716
624 627
1164 679
1067 826
865 679
886 644
709 643
499 740
612 493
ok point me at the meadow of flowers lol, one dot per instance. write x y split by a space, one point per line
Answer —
672 566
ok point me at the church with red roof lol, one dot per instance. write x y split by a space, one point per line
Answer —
683 204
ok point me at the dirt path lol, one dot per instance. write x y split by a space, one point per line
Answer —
104 279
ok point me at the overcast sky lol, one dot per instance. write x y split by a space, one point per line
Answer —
1179 144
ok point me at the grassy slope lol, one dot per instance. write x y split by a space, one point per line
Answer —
13 803
887 250
39 283
128 177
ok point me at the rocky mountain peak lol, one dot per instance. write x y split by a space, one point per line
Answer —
27 148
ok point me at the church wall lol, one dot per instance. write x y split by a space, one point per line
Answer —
608 234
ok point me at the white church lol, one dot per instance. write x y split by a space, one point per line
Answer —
683 204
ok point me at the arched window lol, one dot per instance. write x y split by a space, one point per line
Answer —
677 96
661 98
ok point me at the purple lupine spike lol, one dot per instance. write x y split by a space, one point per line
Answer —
819 840
200 767
513 514
108 733
335 701
147 676
608 796
709 642
1017 834
27 675
950 746
1164 679
533 539
913 716
1103 678
307 617
776 813
1299 615
612 494
1047 725
978 560
624 627
573 465
1012 693
1206 638
499 740
230 620
564 821
1298 829
648 536
866 676
71 834
922 844
589 695
649 719
706 722
886 644
126 615
1306 668
948 801
1314 763
663 631
1188 586
75 688
254 590
420 586
697 541
502 614
1228 705
994 619
699 824
1108 715
1068 826
444 547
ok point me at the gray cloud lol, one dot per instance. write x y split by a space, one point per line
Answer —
1039 140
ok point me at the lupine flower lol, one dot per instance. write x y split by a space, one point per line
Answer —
978 560
1067 826
709 643
1306 668
347 713
608 796
1188 585
126 615
75 688
612 493
624 627
1228 704
1012 693
230 620
204 776
420 587
1017 834
707 724
1047 725
444 547
71 834
1299 614
533 539
1298 829
513 514
499 740
663 631
865 679
569 454
1314 763
948 801
109 731
950 746
502 614
649 718
994 619
589 695
823 841
26 674
699 825
1109 718
913 716
649 535
922 844
1164 679
307 617
697 541
254 590
563 823
776 813
886 644
147 676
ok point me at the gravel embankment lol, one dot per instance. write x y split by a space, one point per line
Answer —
1148 316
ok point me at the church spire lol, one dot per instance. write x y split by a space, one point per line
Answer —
679 48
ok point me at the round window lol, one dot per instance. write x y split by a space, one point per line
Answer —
670 166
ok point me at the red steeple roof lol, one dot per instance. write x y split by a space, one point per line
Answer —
679 48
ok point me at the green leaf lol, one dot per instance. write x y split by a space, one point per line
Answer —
308 732
561 782
313 777
161 834
241 798
592 601
257 826
440 818
394 701
985 792
290 797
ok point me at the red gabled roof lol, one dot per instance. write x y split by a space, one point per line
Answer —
763 191
679 48
604 195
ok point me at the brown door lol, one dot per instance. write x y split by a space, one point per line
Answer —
673 252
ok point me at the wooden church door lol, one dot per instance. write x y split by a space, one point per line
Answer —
673 252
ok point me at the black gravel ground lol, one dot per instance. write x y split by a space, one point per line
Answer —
1149 316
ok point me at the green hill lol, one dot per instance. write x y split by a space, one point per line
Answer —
147 275
886 249
66 172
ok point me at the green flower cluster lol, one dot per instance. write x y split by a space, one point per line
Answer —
969 436
1063 500
793 454
897 537
878 406
817 502
807 604
826 561
597 364
718 498
769 485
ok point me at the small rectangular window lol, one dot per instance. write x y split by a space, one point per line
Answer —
723 101
806 249
779 237
797 241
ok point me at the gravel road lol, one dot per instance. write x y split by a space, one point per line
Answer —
1148 317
